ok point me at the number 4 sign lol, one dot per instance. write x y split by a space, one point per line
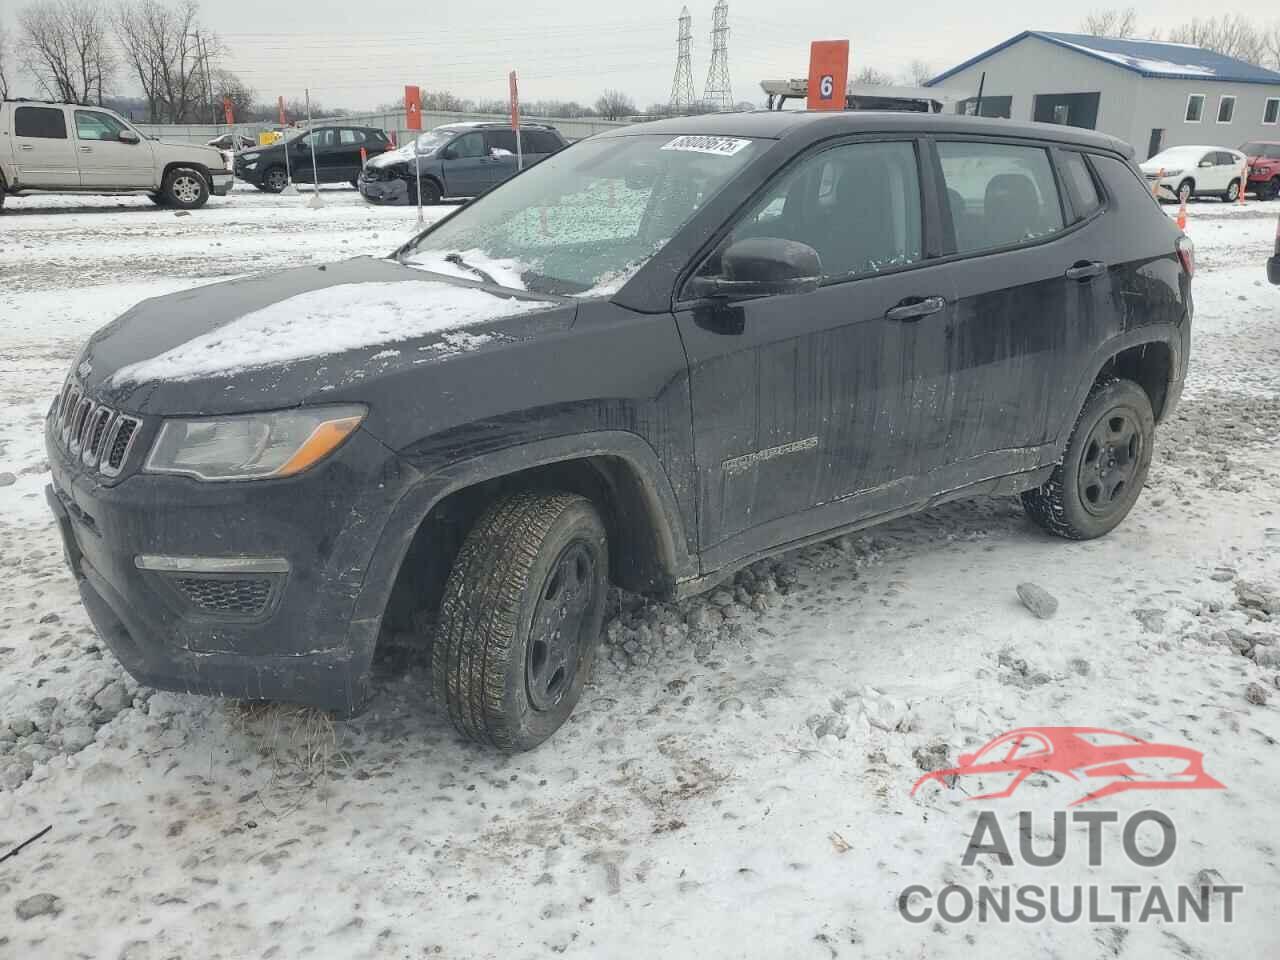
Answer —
828 74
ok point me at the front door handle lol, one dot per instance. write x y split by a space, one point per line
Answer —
913 308
1086 270
86 149
26 146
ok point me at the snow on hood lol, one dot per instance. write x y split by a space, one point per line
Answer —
389 157
323 322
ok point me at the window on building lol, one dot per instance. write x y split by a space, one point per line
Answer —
991 107
1271 111
1195 108
45 123
999 194
1084 191
1226 109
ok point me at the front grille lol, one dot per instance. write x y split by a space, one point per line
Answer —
100 436
239 596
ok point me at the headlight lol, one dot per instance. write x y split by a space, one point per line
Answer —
250 156
252 446
1172 173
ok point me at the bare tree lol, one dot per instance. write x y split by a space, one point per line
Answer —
442 101
228 86
873 77
65 48
919 72
614 104
167 53
1111 23
4 63
1230 34
1271 45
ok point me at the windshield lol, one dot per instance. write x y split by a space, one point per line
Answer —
433 140
583 221
1269 151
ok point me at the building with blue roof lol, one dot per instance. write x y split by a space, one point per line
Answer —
1152 94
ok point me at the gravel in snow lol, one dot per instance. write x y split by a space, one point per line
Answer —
736 780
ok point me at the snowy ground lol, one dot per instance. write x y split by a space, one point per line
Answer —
728 786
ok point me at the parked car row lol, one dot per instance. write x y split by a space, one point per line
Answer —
336 157
1181 173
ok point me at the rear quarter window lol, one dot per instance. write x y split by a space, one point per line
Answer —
1085 197
44 123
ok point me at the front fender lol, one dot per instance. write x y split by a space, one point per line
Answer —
418 501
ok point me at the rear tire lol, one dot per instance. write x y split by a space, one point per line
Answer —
185 188
1233 192
521 618
1104 468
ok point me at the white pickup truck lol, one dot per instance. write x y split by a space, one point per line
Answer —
66 147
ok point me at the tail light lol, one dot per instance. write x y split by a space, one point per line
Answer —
1187 254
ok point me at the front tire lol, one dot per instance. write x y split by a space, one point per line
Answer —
274 180
521 618
185 189
1104 468
1186 189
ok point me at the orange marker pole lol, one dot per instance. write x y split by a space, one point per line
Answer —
1244 182
1182 216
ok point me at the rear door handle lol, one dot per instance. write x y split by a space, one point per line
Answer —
86 149
1086 270
26 146
913 308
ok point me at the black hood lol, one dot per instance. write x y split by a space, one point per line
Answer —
137 362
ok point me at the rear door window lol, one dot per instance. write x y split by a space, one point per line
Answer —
42 123
540 141
500 140
350 137
999 194
1084 191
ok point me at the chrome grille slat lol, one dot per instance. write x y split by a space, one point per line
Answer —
102 438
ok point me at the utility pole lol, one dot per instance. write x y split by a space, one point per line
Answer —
208 80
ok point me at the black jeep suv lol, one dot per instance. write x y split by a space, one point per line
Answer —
655 357
337 157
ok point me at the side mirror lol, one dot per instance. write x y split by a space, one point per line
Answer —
1206 163
762 267
128 136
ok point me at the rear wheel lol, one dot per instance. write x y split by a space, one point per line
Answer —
1104 468
521 618
185 188
1233 191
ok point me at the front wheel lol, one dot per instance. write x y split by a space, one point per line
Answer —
520 618
274 180
1185 189
185 189
1104 468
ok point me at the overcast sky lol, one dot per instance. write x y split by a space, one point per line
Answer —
361 52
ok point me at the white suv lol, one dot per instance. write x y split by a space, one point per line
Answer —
79 149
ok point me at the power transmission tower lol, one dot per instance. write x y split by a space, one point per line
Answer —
718 93
682 83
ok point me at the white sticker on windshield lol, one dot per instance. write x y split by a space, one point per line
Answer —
719 146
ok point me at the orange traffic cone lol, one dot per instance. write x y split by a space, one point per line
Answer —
1182 216
364 157
1244 182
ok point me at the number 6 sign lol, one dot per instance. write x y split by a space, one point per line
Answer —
828 74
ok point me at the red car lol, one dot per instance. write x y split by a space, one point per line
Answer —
1264 167
1081 753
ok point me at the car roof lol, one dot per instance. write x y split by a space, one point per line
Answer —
816 124
491 125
